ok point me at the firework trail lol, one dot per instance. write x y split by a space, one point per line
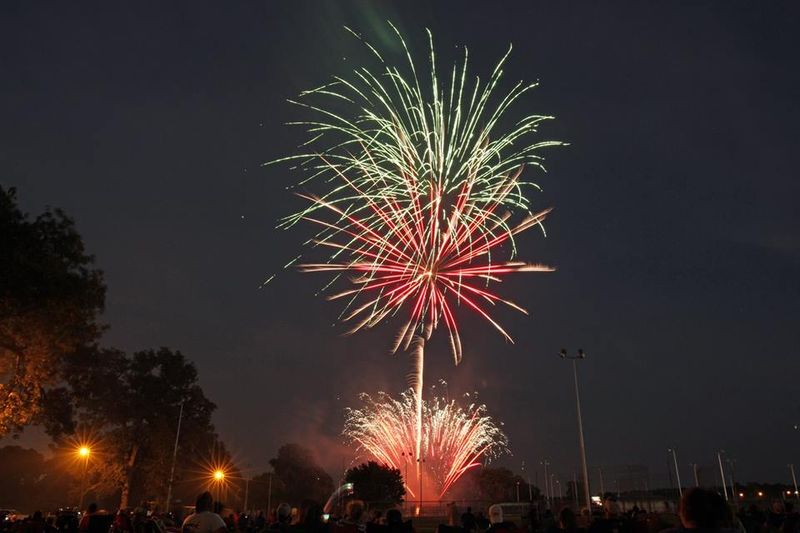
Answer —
421 187
454 438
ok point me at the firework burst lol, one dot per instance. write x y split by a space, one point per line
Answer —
421 187
454 438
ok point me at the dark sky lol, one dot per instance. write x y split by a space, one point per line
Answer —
675 231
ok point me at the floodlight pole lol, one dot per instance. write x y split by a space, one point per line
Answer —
580 355
794 481
722 475
677 471
174 458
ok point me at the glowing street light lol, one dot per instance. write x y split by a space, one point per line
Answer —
83 453
219 475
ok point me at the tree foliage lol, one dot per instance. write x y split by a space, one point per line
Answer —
377 484
132 405
499 484
50 298
301 478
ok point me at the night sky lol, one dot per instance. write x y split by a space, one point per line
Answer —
675 231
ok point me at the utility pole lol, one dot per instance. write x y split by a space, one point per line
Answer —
269 496
722 474
580 355
696 477
677 471
546 484
602 486
794 481
174 459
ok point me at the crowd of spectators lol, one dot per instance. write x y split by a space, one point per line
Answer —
700 510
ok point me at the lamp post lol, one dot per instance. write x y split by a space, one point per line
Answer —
602 487
421 461
722 474
219 479
269 496
83 452
696 477
545 463
794 482
580 355
677 471
174 459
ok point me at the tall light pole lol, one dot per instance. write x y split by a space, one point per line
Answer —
580 355
677 470
722 474
174 459
602 487
421 462
83 452
545 463
696 477
794 481
269 496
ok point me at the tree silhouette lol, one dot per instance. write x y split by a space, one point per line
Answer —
377 484
50 297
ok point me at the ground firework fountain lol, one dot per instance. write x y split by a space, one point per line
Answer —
454 438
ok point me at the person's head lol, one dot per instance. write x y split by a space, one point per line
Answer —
284 513
777 506
312 515
92 508
204 502
566 518
611 508
355 510
394 516
469 509
37 516
699 508
496 514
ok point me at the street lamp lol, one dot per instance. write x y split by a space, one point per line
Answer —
83 453
677 470
421 462
574 358
218 477
794 481
546 463
722 474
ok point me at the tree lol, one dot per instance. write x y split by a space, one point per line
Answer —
300 475
377 484
50 298
132 405
498 484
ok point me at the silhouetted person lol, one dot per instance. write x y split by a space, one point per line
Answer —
395 523
353 522
468 521
498 524
203 519
700 510
90 511
283 518
567 523
311 520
